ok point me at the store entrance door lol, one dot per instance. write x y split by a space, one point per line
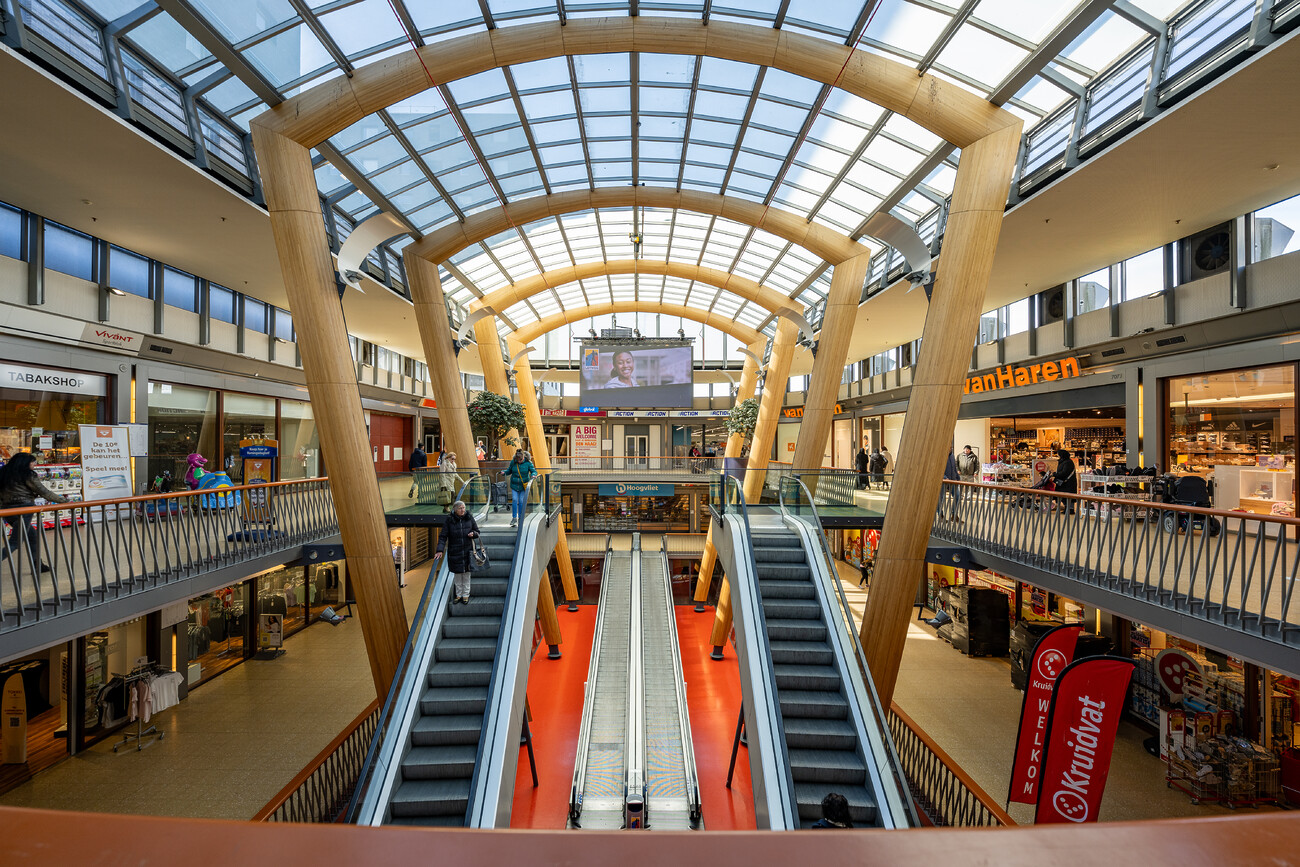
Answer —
637 449
557 446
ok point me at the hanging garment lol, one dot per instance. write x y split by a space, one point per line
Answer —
165 690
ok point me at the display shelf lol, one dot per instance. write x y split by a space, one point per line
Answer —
1253 488
1136 488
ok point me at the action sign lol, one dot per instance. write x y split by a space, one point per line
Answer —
1052 653
1086 707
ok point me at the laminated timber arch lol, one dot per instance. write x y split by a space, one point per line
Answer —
987 135
502 298
725 324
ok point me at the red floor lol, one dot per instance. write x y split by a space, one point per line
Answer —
555 696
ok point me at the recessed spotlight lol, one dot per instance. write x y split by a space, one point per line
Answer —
1271 167
113 290
89 202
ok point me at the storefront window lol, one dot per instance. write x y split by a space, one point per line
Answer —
1237 430
45 422
283 592
107 653
671 514
44 681
182 421
216 632
245 415
299 442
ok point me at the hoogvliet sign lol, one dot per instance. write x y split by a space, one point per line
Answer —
1080 737
1052 653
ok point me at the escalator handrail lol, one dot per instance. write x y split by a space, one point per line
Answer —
691 772
769 667
584 730
420 625
814 526
634 763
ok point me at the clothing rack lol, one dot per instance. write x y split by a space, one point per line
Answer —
142 671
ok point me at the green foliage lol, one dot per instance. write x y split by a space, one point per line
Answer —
492 416
743 418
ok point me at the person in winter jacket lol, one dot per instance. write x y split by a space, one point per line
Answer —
863 464
457 542
878 464
1066 477
19 486
949 510
968 464
520 472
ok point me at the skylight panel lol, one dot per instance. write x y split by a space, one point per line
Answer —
1106 39
836 132
600 68
980 55
779 116
168 43
238 20
329 179
363 26
288 56
727 74
711 103
618 127
664 100
431 216
893 156
1032 20
605 99
662 127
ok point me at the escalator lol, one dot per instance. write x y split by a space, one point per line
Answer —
447 744
813 720
635 765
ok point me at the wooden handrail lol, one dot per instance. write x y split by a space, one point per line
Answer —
150 498
1140 504
956 769
302 776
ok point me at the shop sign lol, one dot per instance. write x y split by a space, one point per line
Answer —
797 411
1014 377
1086 707
45 379
586 446
104 335
1053 651
555 412
429 403
589 410
636 489
105 462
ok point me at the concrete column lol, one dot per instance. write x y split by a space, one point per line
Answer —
309 282
494 374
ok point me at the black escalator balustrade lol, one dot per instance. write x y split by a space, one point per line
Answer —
437 771
821 740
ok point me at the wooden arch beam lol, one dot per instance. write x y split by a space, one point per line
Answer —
505 297
823 241
531 332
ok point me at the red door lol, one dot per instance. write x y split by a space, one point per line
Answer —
390 442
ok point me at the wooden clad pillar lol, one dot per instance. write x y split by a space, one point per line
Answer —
832 352
748 383
542 460
970 241
331 375
494 374
440 357
760 451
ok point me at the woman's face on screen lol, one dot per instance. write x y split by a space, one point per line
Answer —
625 364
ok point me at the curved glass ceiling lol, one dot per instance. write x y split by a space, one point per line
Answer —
672 121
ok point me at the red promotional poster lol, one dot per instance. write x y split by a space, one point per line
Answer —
1052 653
1085 714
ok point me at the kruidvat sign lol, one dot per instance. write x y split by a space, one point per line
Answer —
636 489
1052 653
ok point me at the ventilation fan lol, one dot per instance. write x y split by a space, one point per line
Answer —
1212 252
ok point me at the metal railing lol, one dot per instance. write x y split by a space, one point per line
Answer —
321 791
660 464
66 558
691 774
1231 569
944 794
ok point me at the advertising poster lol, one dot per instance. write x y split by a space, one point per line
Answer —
270 631
586 446
259 468
1053 651
105 462
635 375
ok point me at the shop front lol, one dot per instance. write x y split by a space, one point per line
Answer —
625 507
41 408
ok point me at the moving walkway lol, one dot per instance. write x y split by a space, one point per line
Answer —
813 721
447 743
635 765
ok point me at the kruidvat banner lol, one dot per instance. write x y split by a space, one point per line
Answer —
1086 708
1052 653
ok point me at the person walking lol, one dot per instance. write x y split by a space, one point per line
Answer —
953 492
889 459
878 464
399 564
868 566
457 542
863 463
19 486
1066 477
520 472
419 459
835 812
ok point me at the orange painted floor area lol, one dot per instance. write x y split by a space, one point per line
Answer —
555 696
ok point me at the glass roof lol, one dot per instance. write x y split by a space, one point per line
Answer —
673 121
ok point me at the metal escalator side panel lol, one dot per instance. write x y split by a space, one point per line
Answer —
374 809
588 696
875 746
493 784
774 803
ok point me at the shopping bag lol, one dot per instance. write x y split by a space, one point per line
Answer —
478 560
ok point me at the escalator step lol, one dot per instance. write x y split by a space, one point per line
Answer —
483 586
465 649
454 700
810 733
431 731
777 589
776 540
842 767
782 571
821 678
442 762
862 802
471 627
783 555
800 652
418 798
457 821
795 630
809 703
791 609
476 673
480 606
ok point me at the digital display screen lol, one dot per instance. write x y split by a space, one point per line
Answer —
628 375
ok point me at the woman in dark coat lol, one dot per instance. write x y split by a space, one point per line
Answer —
19 486
457 542
1066 477
864 468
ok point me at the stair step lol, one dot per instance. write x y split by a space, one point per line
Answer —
465 649
821 678
447 729
826 766
781 629
442 762
475 673
776 540
778 589
800 652
781 571
420 798
808 797
471 627
812 733
454 700
810 703
791 609
784 555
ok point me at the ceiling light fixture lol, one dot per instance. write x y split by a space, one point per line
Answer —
113 290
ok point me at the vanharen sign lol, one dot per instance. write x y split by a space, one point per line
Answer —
1011 377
